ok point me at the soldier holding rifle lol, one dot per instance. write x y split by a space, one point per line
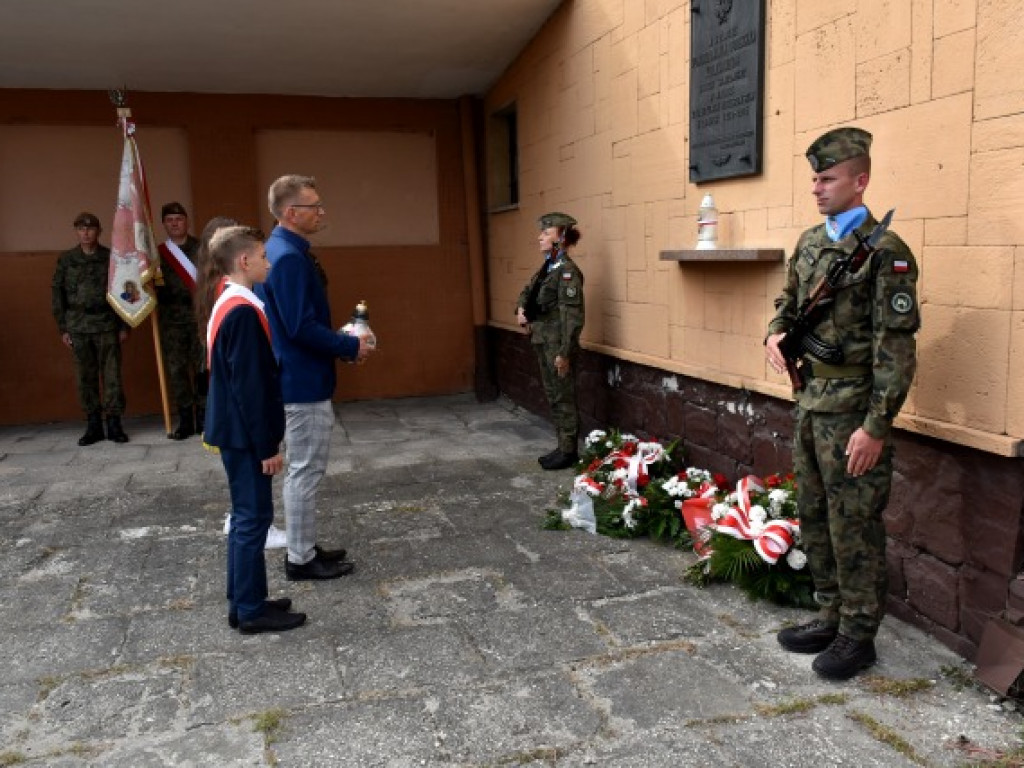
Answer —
849 307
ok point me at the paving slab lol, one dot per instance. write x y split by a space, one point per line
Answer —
467 635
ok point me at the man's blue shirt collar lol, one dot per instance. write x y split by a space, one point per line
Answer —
838 227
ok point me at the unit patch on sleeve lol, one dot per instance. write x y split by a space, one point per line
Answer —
902 302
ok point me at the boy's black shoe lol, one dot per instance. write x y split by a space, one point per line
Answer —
317 569
561 461
281 604
813 637
272 621
845 658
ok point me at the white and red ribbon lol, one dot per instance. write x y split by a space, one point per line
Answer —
179 262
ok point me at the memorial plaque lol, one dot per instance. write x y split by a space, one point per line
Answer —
726 88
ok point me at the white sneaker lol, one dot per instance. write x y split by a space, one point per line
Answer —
276 538
227 524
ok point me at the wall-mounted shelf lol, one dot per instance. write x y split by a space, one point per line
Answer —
725 254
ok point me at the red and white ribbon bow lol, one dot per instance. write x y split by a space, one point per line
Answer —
772 538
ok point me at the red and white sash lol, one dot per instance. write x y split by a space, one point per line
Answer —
232 296
180 263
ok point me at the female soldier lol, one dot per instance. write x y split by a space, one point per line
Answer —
551 309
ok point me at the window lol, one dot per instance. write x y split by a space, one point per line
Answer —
503 159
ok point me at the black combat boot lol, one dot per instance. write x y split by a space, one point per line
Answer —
844 658
548 456
115 431
186 425
200 419
561 460
812 637
94 430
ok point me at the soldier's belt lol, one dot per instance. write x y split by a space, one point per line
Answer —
816 370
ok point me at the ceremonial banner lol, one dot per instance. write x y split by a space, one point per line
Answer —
133 256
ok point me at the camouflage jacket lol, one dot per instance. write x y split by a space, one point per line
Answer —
79 292
559 312
174 299
873 321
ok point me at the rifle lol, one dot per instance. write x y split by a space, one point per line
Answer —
533 310
800 338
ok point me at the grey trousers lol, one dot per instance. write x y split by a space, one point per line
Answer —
307 440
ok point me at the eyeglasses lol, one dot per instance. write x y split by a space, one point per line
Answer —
318 206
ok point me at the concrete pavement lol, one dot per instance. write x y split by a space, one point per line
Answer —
468 636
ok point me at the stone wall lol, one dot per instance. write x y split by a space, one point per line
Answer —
954 519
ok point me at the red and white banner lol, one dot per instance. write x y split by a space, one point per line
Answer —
771 538
133 255
171 254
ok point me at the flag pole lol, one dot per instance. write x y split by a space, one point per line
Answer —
140 249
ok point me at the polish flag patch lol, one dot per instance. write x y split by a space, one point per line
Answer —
900 266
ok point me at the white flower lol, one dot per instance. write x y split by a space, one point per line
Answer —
698 475
627 519
778 499
757 517
595 437
718 511
630 438
796 559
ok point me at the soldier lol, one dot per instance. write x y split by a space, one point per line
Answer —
179 337
842 446
91 329
551 309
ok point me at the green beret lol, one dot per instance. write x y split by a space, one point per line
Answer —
86 220
172 208
836 146
556 219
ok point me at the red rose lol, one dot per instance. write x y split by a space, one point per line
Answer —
773 481
720 480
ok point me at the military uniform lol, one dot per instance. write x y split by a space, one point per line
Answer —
79 303
179 339
554 305
872 321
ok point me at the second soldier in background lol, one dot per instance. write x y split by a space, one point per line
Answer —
179 335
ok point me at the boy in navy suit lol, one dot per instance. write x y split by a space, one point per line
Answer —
245 420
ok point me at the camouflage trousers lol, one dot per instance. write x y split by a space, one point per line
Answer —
182 363
841 523
561 394
98 366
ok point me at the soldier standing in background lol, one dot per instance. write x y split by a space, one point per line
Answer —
179 336
551 308
842 445
91 329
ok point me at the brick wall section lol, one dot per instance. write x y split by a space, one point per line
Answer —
956 541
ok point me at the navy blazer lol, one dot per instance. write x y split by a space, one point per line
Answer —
244 407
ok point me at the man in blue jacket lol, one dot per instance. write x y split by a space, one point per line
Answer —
306 346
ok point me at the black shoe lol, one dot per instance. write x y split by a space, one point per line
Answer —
115 431
316 569
845 658
93 432
281 604
330 555
813 637
548 457
272 621
200 419
561 461
186 426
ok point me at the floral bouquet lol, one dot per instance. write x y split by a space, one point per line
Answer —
751 537
618 490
